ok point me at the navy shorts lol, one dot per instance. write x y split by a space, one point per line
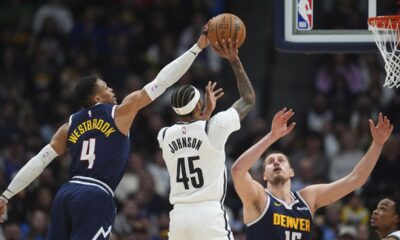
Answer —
81 210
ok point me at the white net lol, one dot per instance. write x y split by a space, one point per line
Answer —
386 35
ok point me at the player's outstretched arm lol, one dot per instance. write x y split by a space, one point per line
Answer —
247 95
35 167
323 194
248 189
170 74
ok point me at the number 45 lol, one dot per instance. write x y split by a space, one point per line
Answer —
87 153
196 174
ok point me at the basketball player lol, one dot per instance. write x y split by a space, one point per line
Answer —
385 219
194 152
98 139
277 212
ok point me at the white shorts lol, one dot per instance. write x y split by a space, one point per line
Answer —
199 221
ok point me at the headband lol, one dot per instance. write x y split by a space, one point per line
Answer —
188 108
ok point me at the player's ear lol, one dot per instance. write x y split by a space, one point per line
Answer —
199 106
291 172
397 217
95 99
265 177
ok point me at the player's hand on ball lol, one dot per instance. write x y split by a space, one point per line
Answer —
227 50
203 39
381 132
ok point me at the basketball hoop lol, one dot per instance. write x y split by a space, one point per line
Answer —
386 33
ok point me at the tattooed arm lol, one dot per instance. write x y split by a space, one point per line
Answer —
247 98
247 95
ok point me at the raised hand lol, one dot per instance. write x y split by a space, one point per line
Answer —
211 97
381 132
203 39
279 127
227 50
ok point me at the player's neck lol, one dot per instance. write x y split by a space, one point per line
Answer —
281 191
384 232
187 119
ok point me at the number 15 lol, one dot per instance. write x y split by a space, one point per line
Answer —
295 235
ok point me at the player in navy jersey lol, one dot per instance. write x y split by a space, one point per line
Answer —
385 219
276 212
97 138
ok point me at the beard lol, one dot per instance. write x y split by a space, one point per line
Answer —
278 180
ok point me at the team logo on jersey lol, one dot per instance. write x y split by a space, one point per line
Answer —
277 204
292 222
304 14
104 233
90 113
184 130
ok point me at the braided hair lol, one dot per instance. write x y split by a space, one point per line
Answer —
84 90
182 96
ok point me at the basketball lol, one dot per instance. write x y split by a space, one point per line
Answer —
225 26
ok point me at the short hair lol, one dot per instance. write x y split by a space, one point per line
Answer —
275 152
182 96
396 200
85 89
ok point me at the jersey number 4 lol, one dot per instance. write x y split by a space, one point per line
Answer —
87 154
196 179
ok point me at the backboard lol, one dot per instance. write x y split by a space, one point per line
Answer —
327 26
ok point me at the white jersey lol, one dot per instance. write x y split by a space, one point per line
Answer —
395 235
195 157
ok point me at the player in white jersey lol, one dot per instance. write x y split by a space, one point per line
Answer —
385 219
194 152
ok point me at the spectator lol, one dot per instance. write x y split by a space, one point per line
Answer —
354 212
348 157
347 232
56 10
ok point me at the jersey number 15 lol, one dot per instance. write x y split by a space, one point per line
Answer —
196 179
292 235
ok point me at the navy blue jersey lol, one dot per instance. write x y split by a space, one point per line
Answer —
280 221
98 149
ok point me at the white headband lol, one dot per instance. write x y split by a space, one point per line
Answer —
188 108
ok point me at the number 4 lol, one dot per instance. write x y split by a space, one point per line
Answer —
87 153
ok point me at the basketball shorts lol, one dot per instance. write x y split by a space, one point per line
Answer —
82 209
199 221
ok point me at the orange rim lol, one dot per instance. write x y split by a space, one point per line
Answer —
385 22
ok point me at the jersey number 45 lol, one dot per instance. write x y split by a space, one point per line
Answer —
196 175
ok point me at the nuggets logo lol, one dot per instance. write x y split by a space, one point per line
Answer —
304 14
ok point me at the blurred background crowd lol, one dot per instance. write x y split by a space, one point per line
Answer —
47 46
